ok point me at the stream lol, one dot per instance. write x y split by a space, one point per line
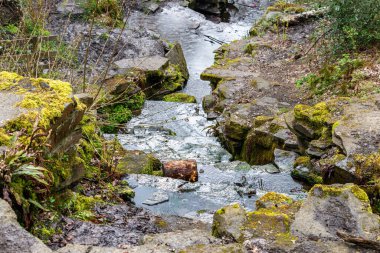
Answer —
175 131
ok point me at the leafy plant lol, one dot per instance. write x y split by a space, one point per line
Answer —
332 77
353 24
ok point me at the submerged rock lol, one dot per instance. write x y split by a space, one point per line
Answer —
138 162
157 198
179 97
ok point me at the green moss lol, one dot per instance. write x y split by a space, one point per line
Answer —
116 116
106 12
77 205
46 103
179 97
302 160
308 177
273 199
287 7
318 115
161 223
4 138
262 119
220 211
174 79
267 223
335 125
202 211
285 239
250 48
331 190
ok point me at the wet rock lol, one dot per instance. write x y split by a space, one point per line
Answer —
153 7
209 102
228 222
181 239
271 169
138 162
180 98
153 64
273 200
176 57
329 209
184 169
239 121
284 160
157 198
14 238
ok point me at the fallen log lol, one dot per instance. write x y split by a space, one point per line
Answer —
182 169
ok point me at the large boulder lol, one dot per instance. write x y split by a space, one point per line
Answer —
228 222
330 209
42 108
14 238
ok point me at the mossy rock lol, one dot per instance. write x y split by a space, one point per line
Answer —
273 200
138 162
227 222
316 120
258 148
332 208
267 223
180 98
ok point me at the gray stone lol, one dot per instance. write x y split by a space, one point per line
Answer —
153 7
8 108
14 238
284 160
69 7
176 56
271 169
228 221
359 130
76 248
157 198
329 209
153 63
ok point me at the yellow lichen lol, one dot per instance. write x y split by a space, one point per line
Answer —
332 190
273 200
302 160
4 138
318 115
46 100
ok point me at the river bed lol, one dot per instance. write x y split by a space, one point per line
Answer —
175 131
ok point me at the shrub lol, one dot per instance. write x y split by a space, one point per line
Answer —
107 12
353 24
336 77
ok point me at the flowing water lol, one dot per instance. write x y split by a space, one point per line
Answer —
175 131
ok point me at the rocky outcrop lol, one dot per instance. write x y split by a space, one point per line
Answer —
281 224
157 75
330 209
14 238
43 108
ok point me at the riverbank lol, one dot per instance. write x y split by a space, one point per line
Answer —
117 198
